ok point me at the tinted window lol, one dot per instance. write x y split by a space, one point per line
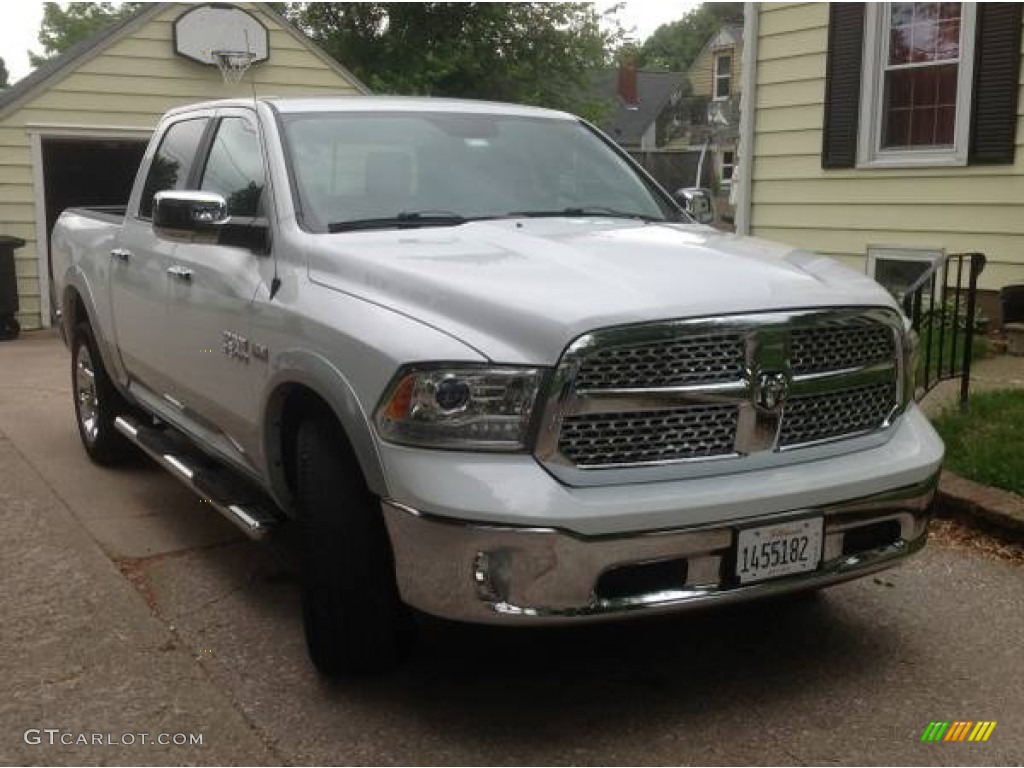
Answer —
235 166
172 161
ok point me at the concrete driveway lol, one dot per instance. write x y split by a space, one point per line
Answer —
128 607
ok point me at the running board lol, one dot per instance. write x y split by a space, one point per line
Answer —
210 483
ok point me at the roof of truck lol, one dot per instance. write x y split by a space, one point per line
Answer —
383 104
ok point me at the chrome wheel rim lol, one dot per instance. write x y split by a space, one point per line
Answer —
85 394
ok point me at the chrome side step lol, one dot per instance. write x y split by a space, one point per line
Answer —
226 497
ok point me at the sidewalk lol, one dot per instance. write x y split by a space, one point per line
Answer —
82 652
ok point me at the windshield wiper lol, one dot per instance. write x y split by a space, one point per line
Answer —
403 220
590 210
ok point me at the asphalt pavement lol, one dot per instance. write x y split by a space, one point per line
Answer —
127 606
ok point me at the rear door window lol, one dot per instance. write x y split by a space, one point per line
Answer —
172 161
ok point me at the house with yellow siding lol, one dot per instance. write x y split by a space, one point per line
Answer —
73 131
715 76
885 127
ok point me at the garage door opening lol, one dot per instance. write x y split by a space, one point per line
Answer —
87 172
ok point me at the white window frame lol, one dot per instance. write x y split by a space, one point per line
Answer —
876 51
715 76
726 183
903 253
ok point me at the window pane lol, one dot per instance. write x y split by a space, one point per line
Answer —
945 126
724 65
235 166
901 15
949 10
947 84
172 161
923 32
926 12
897 128
913 98
922 126
899 45
722 86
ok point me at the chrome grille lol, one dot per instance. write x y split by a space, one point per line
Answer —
820 417
721 388
695 431
839 347
697 359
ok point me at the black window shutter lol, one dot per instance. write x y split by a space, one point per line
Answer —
842 85
996 81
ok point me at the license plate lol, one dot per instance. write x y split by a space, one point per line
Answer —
776 550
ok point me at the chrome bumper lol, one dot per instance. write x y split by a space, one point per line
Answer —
493 574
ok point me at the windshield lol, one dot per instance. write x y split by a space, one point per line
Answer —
363 170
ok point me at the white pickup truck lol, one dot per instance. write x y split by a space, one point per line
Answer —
489 366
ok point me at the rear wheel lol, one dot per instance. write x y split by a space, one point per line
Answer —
97 401
354 619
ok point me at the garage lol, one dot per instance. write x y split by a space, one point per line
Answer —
73 132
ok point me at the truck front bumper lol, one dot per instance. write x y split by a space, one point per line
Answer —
489 573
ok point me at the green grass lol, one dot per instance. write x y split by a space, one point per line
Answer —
987 443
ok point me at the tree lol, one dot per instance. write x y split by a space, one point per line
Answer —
3 74
61 27
535 53
674 46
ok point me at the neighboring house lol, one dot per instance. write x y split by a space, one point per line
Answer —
73 132
715 79
639 104
894 125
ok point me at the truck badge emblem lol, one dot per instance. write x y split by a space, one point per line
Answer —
771 390
235 345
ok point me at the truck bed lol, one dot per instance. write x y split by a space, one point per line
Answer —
113 214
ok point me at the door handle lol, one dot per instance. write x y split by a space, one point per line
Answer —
121 254
180 272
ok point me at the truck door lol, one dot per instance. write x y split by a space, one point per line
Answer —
138 263
212 290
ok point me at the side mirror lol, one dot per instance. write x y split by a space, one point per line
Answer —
697 202
181 214
202 217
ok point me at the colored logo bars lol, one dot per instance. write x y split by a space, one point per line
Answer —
959 730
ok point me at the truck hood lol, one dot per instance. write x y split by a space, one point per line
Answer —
519 291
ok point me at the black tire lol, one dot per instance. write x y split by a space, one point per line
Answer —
95 412
354 619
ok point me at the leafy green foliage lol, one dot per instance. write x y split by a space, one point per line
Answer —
63 27
987 443
534 53
674 46
3 74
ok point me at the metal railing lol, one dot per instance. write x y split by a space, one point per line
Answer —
944 314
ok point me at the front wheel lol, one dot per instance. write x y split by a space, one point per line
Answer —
354 619
97 401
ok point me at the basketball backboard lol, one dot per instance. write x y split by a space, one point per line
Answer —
206 29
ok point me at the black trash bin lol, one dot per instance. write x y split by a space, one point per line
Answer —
1012 299
9 327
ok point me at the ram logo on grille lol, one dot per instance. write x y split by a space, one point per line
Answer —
772 388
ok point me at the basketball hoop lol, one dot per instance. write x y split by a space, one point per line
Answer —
233 64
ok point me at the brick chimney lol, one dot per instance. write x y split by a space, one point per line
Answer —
627 82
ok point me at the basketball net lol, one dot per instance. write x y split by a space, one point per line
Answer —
233 64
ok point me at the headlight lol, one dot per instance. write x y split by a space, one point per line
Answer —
466 408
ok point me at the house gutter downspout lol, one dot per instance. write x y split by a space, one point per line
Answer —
748 107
